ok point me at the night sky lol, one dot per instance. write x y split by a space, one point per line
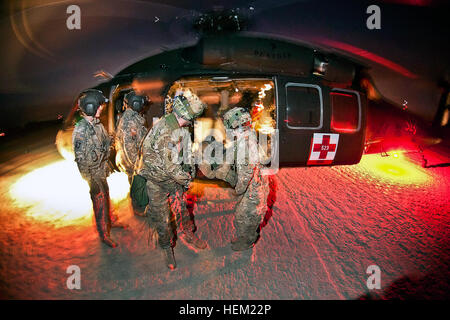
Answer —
44 65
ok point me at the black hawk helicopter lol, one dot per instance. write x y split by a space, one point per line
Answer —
316 98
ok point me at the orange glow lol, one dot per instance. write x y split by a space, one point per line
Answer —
57 194
64 144
394 169
265 126
67 153
145 85
210 98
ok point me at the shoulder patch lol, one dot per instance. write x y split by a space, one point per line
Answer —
81 122
78 144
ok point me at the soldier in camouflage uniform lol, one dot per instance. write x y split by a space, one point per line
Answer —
130 132
91 145
166 178
244 174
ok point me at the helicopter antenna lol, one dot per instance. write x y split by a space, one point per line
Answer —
222 21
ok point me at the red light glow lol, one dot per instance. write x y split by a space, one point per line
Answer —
369 56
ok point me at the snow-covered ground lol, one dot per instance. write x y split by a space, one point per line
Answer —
324 228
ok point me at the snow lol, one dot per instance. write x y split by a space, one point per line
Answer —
325 227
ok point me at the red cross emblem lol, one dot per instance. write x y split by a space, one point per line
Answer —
323 148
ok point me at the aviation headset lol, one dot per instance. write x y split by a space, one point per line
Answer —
134 101
90 100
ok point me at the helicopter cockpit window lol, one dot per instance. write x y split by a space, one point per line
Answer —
304 106
222 94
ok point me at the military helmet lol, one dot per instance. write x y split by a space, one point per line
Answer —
236 117
188 106
90 100
135 101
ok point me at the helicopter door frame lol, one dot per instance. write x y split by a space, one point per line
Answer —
295 141
111 116
304 85
358 128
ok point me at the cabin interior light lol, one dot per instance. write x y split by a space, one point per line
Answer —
220 79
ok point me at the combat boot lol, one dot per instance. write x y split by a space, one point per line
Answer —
110 242
242 243
103 219
170 259
190 238
137 210
119 225
240 232
115 223
245 240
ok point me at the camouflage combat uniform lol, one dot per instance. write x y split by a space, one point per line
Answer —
130 132
251 187
165 179
91 145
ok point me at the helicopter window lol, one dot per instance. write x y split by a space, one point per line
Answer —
222 94
304 106
346 113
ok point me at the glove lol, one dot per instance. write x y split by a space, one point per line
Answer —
205 168
189 184
227 173
186 167
231 177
